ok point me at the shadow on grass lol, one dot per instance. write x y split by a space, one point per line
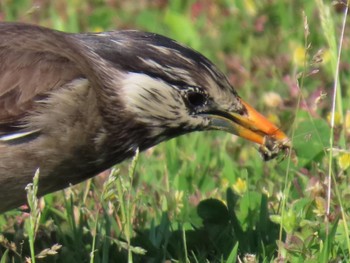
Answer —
223 227
216 238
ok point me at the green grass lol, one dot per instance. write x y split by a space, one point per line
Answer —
208 197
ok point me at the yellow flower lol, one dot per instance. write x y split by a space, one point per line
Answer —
97 29
337 118
299 55
326 56
347 122
240 187
224 183
344 161
179 196
320 206
179 200
250 7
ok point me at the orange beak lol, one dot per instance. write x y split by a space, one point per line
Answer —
252 126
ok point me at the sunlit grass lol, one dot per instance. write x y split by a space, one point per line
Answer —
208 197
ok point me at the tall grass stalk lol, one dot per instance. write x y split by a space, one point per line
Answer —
125 204
327 25
107 195
294 126
337 97
328 29
184 245
33 223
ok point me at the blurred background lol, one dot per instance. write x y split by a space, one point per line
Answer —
209 197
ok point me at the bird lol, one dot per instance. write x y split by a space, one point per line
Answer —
74 104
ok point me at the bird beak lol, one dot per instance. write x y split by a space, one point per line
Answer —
251 126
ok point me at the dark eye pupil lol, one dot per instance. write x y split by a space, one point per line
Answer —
196 99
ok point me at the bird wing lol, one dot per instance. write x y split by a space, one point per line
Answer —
27 75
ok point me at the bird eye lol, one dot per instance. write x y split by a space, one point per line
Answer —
196 99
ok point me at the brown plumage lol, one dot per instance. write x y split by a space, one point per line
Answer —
75 104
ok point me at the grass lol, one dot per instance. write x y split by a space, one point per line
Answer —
208 197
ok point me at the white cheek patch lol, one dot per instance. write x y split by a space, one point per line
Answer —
150 98
154 102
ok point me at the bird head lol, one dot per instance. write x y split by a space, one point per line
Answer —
171 90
